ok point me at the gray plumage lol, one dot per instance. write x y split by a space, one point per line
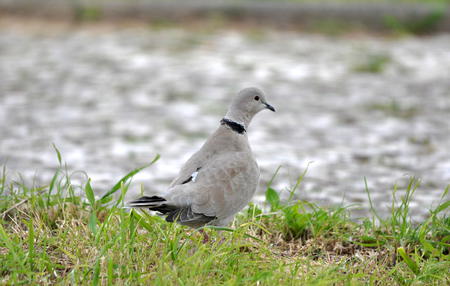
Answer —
221 178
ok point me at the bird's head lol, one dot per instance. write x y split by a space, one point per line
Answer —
246 104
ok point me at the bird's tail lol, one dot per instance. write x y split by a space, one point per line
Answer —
147 202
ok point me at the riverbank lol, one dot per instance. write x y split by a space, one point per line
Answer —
379 16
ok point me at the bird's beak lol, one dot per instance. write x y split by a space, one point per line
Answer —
268 106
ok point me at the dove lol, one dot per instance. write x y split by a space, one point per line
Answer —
221 178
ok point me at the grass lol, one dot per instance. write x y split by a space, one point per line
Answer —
373 63
333 1
394 108
421 26
50 235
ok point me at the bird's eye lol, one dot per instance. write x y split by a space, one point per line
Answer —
256 97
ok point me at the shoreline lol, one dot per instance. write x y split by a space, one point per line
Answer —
415 18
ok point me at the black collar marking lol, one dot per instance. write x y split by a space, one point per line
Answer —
239 128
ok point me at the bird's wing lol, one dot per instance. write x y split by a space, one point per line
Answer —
198 160
223 186
192 165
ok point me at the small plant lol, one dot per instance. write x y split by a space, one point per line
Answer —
424 25
333 27
395 108
88 13
374 63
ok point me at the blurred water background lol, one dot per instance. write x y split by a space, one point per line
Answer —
111 96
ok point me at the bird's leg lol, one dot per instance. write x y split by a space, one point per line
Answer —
205 236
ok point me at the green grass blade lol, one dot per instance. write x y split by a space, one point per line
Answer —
118 185
51 186
89 193
31 253
141 221
4 238
298 182
269 184
273 199
372 209
93 222
411 263
442 207
96 273
58 154
3 181
110 272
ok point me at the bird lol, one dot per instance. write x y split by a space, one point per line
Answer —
220 179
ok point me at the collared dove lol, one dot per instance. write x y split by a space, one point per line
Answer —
221 178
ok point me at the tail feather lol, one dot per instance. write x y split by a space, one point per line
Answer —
181 214
153 203
147 202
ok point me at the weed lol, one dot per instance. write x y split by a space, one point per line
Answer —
424 25
88 13
395 108
373 63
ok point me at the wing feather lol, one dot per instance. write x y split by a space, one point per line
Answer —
222 187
